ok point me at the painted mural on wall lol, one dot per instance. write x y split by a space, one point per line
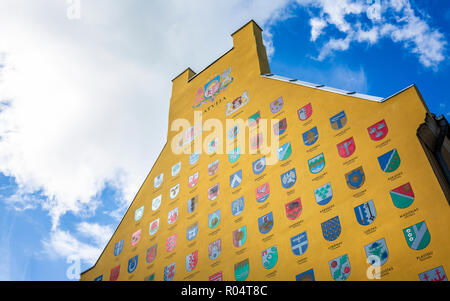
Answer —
213 88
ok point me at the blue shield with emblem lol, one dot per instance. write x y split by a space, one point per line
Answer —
355 178
310 137
237 206
338 121
236 179
377 252
265 223
118 247
317 163
259 165
306 276
323 194
289 178
99 278
284 151
331 229
132 264
435 274
193 158
390 161
299 243
169 272
365 213
192 231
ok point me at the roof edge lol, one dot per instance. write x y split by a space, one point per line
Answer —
324 88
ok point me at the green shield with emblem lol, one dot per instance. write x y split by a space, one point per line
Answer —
417 236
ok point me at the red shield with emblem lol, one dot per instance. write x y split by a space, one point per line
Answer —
346 148
255 141
378 131
191 261
193 180
216 277
293 209
151 253
171 242
136 237
114 273
305 112
213 167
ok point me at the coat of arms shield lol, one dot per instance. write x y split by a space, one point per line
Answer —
193 180
192 231
269 257
151 253
259 165
214 249
174 191
280 127
191 261
240 236
346 148
402 196
154 226
338 121
288 178
417 236
213 192
323 194
355 178
293 209
262 192
377 252
132 264
389 161
138 213
299 243
378 131
169 272
284 151
276 105
214 219
265 223
310 137
331 229
305 112
236 179
171 243
317 163
340 268
136 237
156 202
241 270
365 213
237 206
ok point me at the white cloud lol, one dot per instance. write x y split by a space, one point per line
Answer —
98 233
89 98
62 244
84 103
393 19
317 25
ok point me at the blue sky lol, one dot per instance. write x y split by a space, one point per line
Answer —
84 97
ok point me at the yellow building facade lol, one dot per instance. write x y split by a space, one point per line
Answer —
266 178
